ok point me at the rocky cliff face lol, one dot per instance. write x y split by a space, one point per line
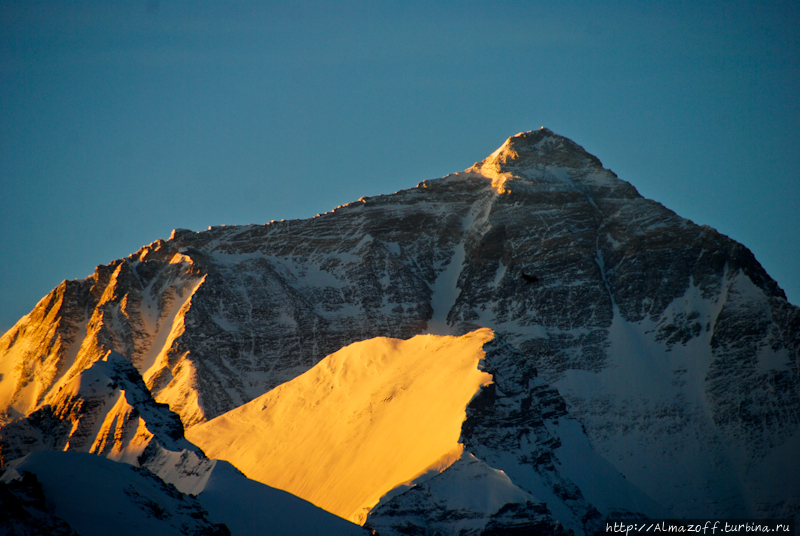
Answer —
666 341
107 410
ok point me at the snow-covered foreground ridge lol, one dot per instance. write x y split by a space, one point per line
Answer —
628 342
55 493
374 415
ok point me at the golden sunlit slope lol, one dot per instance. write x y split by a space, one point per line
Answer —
372 416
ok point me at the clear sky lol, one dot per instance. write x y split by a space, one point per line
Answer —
120 121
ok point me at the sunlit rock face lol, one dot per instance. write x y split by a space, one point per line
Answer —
666 341
107 410
132 306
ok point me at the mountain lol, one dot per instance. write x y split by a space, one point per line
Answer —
76 493
94 496
107 410
371 416
627 342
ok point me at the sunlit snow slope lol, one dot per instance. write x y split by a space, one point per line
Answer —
372 416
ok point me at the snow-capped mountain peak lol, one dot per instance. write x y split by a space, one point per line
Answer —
628 341
545 161
534 148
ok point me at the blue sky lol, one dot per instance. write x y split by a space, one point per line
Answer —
120 121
